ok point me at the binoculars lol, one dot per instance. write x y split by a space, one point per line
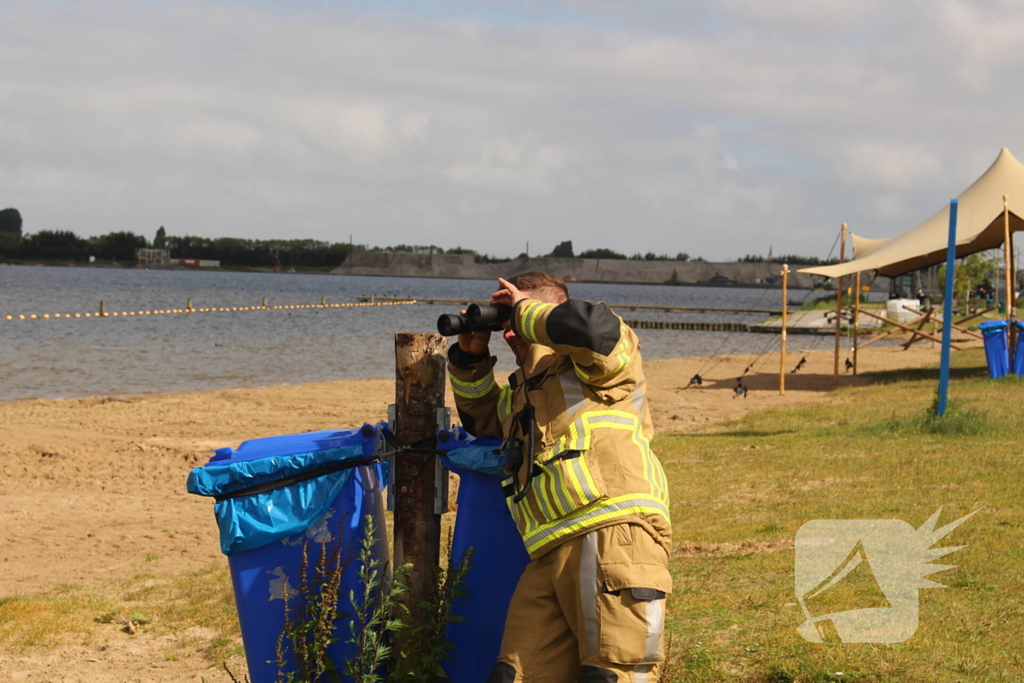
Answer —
478 317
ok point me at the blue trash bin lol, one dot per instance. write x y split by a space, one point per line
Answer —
997 353
263 532
1018 351
499 556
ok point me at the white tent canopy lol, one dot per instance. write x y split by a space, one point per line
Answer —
979 227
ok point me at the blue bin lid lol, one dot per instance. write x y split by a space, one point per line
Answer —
992 325
290 444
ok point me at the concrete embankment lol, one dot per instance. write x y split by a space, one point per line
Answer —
463 266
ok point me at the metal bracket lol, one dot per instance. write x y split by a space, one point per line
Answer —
444 421
390 460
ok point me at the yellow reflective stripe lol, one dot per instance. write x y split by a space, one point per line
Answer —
566 495
532 520
577 486
549 492
504 402
662 480
530 319
623 356
579 373
563 494
543 499
525 318
474 389
618 419
574 433
621 506
584 480
512 507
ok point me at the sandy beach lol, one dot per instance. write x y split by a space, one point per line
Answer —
94 488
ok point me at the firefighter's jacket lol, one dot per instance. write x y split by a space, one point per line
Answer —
584 379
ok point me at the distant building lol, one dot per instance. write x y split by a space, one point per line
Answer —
153 257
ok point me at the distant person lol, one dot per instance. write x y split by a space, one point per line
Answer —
590 497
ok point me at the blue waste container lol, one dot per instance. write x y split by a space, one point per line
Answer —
1018 351
996 348
313 490
483 523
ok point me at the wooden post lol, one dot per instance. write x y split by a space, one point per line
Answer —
103 309
189 307
785 310
856 318
1011 277
419 392
1006 251
839 307
264 302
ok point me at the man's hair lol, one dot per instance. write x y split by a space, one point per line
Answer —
546 288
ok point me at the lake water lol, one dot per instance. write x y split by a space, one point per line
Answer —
115 355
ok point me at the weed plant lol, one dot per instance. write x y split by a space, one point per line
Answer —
310 615
374 622
426 644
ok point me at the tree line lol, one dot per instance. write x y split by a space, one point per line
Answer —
119 247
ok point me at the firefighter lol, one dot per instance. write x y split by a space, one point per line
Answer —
587 493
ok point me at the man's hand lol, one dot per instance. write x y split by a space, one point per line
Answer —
509 294
475 343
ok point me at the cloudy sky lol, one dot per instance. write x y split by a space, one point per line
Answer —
714 127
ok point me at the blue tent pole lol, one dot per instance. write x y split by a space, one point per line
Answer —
947 311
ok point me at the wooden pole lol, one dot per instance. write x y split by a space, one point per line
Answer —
1006 251
856 318
1011 278
839 306
419 392
920 333
785 310
880 337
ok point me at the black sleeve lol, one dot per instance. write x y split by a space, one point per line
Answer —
461 359
584 325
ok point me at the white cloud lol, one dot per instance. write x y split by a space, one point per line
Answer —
611 124
881 164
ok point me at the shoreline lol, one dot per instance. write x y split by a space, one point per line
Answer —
503 368
582 278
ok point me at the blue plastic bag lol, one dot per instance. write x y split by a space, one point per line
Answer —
252 521
466 453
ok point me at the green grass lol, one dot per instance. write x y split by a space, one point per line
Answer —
157 607
742 491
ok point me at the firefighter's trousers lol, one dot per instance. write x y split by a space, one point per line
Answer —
592 610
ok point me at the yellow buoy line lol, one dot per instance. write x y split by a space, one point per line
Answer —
103 313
